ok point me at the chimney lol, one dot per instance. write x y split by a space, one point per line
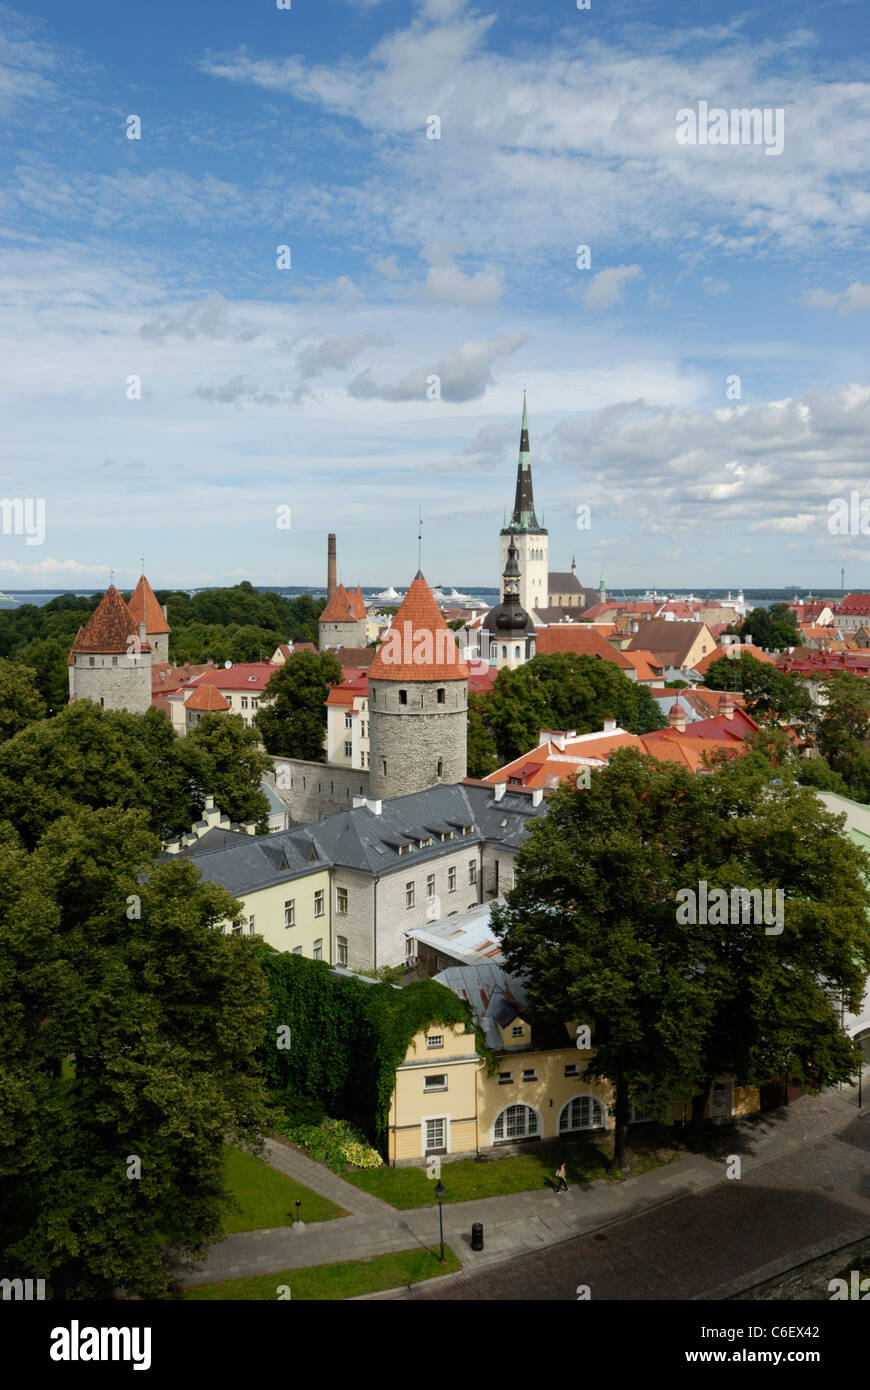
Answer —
610 726
330 565
726 705
499 790
677 717
537 796
376 807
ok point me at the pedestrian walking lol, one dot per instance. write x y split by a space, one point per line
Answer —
563 1181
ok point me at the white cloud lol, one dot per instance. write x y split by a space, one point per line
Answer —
853 300
445 282
463 375
608 286
209 317
331 354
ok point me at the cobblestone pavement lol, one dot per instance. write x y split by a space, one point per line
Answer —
708 1245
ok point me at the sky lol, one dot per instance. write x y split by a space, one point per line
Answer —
176 386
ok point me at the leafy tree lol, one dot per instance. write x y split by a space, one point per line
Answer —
224 759
564 690
293 722
482 752
118 964
771 695
592 928
773 628
91 757
47 657
593 925
20 700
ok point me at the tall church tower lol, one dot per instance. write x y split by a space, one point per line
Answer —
531 540
418 701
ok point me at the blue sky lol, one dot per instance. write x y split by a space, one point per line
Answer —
414 258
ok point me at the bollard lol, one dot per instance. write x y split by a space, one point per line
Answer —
477 1236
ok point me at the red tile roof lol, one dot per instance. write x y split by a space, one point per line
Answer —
855 604
349 690
419 645
207 697
145 608
248 675
354 656
579 638
166 678
344 606
109 627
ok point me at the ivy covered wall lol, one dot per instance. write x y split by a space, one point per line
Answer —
347 1038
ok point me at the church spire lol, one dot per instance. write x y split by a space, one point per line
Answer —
523 518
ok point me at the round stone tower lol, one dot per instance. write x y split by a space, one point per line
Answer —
418 701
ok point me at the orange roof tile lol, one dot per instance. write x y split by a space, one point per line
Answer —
579 638
207 697
145 608
109 627
419 645
338 609
357 603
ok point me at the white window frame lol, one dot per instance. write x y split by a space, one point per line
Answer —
581 1129
410 895
341 902
446 1146
318 903
516 1138
441 1077
290 910
317 949
451 879
341 950
434 1040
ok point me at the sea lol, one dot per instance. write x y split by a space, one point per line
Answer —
449 595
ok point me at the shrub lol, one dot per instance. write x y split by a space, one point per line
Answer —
333 1142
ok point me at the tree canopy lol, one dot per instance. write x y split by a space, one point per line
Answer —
293 722
559 690
772 628
96 758
130 1032
593 926
771 695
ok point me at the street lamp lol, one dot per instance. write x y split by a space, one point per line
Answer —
439 1194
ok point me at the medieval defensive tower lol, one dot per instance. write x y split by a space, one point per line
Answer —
418 701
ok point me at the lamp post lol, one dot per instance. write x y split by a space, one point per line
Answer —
439 1194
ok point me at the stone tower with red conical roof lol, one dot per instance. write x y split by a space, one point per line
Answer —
110 661
145 609
418 701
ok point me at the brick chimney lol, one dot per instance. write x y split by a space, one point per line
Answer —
677 717
726 705
330 565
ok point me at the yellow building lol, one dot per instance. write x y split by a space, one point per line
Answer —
446 1103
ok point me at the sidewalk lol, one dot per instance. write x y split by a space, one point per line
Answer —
513 1225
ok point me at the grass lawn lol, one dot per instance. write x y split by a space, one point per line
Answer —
466 1180
324 1282
266 1198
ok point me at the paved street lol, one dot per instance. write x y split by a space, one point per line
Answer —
682 1231
708 1245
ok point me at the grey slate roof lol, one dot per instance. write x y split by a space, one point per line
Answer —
363 840
563 583
495 997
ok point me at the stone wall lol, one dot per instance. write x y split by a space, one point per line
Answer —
407 741
314 790
114 682
342 634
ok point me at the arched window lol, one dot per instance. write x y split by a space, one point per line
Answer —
516 1122
504 653
583 1112
516 653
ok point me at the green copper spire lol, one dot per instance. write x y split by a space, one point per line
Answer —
523 518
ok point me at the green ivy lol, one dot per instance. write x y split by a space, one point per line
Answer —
347 1038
